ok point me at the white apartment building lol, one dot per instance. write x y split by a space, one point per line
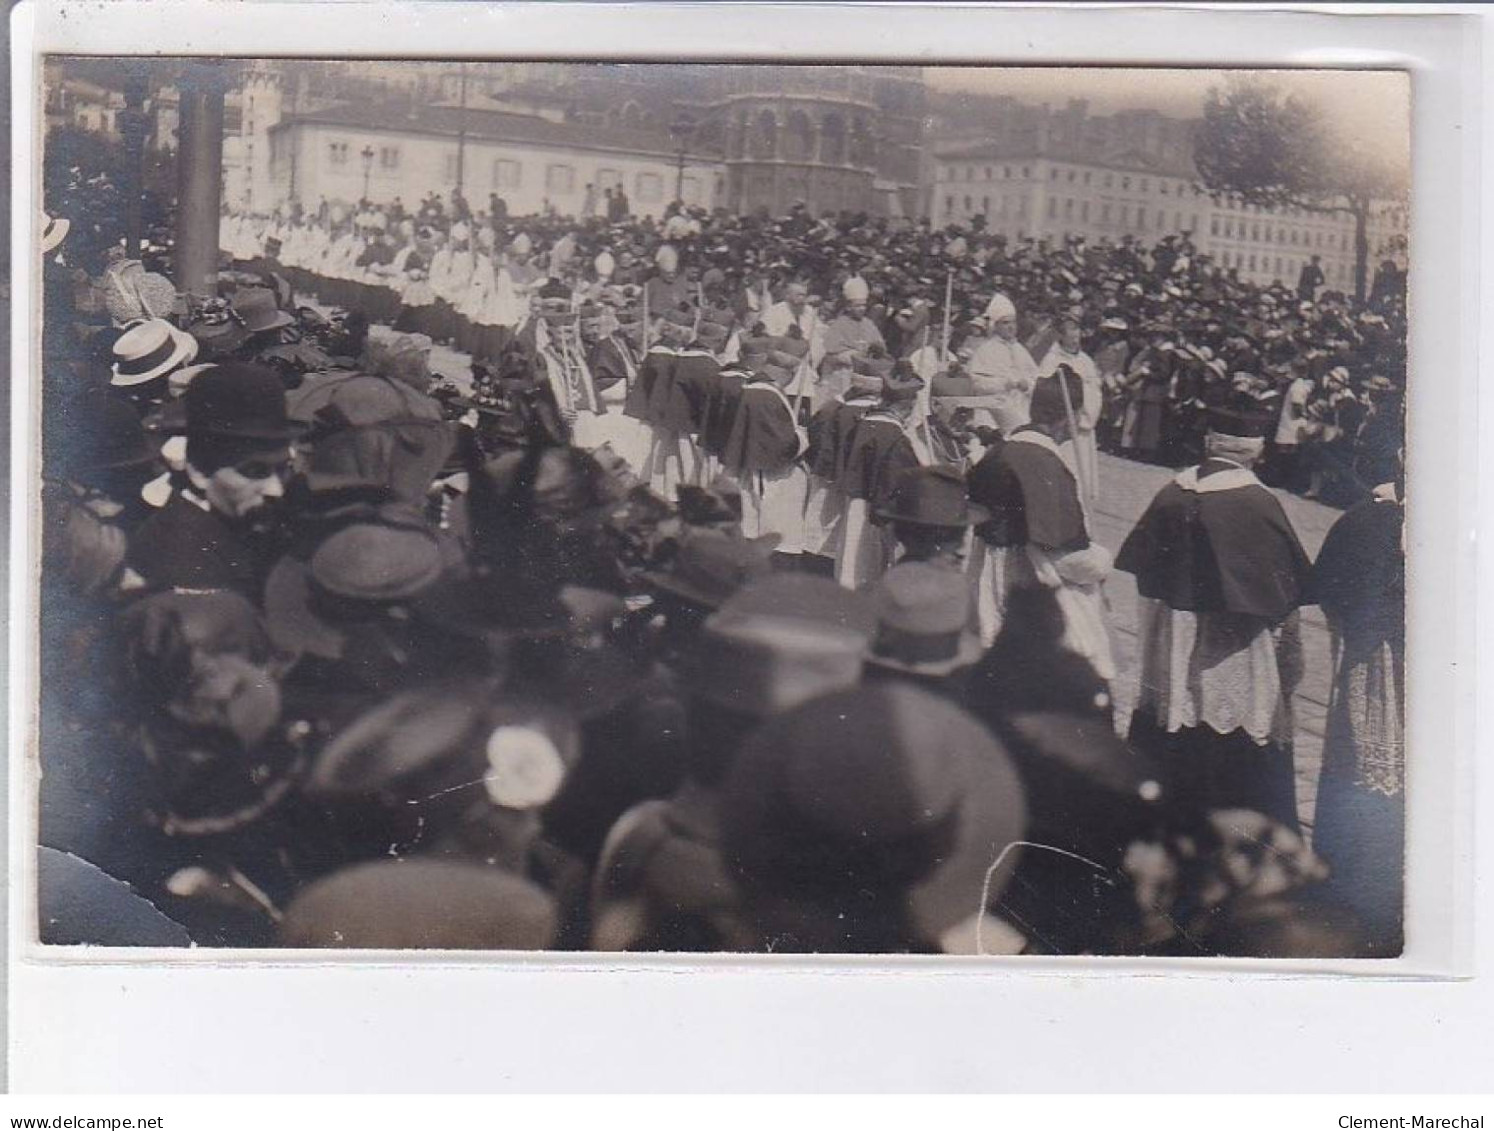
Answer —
344 152
1130 195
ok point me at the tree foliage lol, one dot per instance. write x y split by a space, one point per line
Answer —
1262 147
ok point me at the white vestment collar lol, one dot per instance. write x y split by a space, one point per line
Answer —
1231 479
1044 441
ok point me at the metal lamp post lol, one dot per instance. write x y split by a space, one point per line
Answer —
368 156
681 130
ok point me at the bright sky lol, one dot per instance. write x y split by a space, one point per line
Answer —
1371 108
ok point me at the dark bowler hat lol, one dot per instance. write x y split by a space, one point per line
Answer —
923 620
933 496
710 565
880 798
421 904
237 400
1242 422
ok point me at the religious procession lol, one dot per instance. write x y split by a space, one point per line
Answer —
715 582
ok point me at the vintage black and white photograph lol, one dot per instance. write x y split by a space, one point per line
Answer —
698 507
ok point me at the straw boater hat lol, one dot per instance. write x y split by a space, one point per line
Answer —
54 231
149 350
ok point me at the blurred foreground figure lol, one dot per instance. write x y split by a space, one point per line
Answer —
877 820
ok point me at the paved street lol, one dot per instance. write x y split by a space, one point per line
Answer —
1125 490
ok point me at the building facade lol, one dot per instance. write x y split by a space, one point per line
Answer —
345 153
1051 174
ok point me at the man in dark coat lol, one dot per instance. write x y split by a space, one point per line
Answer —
1310 279
238 456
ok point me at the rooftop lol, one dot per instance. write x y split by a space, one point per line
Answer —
1129 159
484 124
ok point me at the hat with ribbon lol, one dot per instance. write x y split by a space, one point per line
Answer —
258 311
148 350
923 620
54 231
932 496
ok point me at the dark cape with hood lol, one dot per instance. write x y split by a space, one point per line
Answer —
829 438
762 437
721 408
1032 497
610 362
1223 551
657 368
695 376
877 452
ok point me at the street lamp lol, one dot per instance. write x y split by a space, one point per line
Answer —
368 156
682 129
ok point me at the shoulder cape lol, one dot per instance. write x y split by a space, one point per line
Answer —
657 366
695 376
1217 551
721 409
1032 497
1360 576
878 450
610 363
829 438
762 436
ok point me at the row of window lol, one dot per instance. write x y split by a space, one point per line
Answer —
1285 269
1071 210
1074 176
337 153
1296 238
560 180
